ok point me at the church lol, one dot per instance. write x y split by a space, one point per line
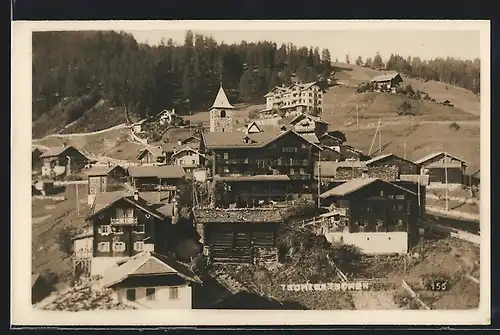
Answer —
220 113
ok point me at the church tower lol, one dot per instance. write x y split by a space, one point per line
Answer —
220 113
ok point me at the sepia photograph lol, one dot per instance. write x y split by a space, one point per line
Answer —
222 166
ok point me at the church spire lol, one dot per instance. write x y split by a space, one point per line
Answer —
221 100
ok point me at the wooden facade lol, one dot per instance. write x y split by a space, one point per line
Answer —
106 179
288 154
239 236
375 206
405 167
444 168
63 161
124 229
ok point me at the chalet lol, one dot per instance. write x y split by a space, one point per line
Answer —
35 159
405 167
188 158
387 81
104 178
156 182
168 117
62 161
138 127
124 225
379 217
40 288
237 154
151 155
238 235
151 280
308 124
443 168
331 141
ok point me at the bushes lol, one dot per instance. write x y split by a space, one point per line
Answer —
454 126
64 239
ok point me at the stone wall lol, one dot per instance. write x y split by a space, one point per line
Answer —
265 255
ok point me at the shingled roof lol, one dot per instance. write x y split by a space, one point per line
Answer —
221 100
57 151
384 77
237 215
423 160
353 185
102 170
104 200
159 171
146 263
237 139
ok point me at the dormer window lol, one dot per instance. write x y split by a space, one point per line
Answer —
247 140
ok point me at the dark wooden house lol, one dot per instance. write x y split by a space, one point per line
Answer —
35 159
124 225
306 123
105 178
62 161
238 235
151 155
156 182
405 167
380 217
387 81
443 167
237 154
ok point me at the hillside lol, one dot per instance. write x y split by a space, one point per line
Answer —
463 99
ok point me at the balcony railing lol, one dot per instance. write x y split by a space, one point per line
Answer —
123 221
300 176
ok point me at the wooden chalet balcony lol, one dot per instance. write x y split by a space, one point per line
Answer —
289 162
300 176
238 161
124 221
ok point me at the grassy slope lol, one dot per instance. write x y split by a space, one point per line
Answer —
46 254
461 98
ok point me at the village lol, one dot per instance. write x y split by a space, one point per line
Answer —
278 213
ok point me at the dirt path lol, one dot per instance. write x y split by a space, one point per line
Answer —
374 300
120 126
40 219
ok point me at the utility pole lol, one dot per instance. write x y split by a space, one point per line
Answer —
380 136
319 179
446 181
77 200
404 146
357 117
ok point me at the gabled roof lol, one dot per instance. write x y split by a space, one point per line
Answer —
237 215
221 100
159 171
105 200
236 139
85 234
312 138
353 185
53 152
193 136
385 77
309 116
253 124
330 136
102 170
186 149
155 151
147 263
167 209
435 154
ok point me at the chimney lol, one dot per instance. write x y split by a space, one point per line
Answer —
179 142
109 164
136 195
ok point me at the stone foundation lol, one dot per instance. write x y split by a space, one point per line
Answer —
265 255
